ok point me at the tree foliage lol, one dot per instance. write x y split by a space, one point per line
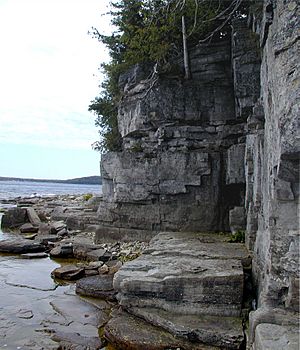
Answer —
150 31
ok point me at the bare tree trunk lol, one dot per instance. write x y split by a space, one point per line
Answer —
185 51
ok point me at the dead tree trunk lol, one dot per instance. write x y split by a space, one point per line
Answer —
185 51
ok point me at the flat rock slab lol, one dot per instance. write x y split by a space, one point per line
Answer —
75 323
224 332
274 337
193 273
28 228
100 286
127 332
75 341
20 246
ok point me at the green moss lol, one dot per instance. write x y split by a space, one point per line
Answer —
237 237
87 196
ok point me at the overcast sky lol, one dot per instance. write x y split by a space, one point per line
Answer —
48 76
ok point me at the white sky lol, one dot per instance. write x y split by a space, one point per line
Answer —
48 76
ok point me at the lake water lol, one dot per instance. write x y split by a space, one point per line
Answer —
12 189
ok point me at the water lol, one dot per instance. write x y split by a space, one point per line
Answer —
12 189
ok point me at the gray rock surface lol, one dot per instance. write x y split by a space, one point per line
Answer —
186 282
13 218
96 286
68 272
128 332
20 246
274 337
181 145
272 174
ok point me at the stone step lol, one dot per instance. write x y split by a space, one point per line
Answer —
190 284
222 332
194 273
125 331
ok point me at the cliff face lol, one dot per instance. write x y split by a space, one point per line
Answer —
218 152
272 164
182 167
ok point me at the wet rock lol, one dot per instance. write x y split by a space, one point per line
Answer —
130 333
14 217
96 286
20 246
62 251
28 228
76 323
33 217
68 272
34 255
75 341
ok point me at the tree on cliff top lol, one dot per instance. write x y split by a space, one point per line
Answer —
150 31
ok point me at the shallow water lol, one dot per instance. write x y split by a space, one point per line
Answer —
29 303
26 290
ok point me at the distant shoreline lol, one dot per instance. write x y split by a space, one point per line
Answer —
88 180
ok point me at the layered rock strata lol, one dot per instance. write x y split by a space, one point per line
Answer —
182 167
190 284
217 152
272 176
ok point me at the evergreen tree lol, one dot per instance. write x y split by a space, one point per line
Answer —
151 31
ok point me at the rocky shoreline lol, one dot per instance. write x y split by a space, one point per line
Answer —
50 227
33 231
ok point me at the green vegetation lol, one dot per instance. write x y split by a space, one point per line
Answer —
151 31
87 196
237 237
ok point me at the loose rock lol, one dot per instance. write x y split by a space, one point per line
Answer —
96 286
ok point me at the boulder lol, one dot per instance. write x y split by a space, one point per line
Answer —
33 217
62 251
13 218
96 286
68 272
82 249
57 226
28 228
99 254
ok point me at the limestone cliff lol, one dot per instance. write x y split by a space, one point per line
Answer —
218 152
182 165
